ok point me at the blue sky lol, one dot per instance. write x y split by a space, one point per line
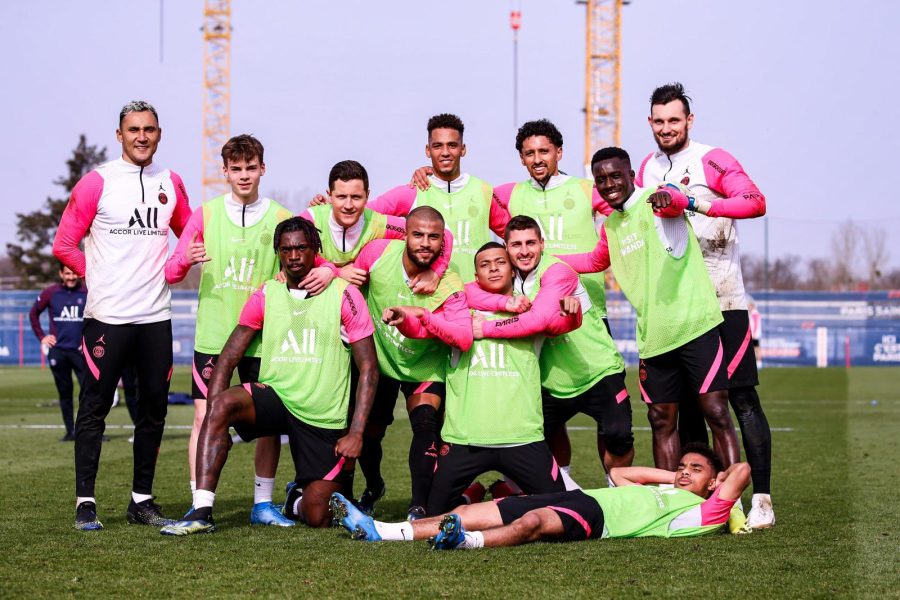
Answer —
801 92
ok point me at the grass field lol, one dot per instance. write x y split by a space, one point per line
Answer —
834 487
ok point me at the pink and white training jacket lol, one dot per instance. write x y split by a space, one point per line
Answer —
123 212
717 181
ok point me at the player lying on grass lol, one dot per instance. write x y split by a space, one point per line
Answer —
303 388
641 505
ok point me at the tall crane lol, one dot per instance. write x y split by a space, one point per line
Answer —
602 75
217 93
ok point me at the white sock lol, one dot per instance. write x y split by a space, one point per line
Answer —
395 532
193 486
757 498
567 479
204 499
262 490
474 539
138 498
609 481
81 499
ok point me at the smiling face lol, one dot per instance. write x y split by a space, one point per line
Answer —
348 201
445 149
695 474
296 255
614 180
424 238
243 176
525 247
493 271
670 124
68 277
139 134
541 157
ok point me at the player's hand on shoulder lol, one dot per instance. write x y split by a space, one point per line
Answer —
518 304
425 283
659 199
350 445
351 274
319 199
420 178
317 280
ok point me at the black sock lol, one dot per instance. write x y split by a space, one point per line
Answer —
370 461
756 435
423 451
200 514
345 478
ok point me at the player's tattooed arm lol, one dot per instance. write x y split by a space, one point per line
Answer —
231 355
367 362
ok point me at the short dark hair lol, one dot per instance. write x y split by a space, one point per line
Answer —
521 223
242 147
540 127
137 106
706 452
445 121
608 153
298 224
348 170
427 213
488 246
669 93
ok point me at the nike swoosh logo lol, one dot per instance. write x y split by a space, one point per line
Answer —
237 239
297 313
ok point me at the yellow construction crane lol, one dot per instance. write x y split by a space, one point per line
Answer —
216 93
602 75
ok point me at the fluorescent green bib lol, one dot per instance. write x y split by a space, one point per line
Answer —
241 259
674 298
400 357
566 216
572 363
467 215
646 511
494 394
374 227
303 357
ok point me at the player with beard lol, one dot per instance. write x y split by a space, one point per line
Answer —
414 366
719 192
303 387
696 498
123 210
658 264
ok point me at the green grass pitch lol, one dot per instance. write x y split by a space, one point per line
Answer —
835 486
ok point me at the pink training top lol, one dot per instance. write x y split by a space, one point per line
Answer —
712 511
451 322
356 324
400 200
123 213
559 324
738 197
543 316
177 266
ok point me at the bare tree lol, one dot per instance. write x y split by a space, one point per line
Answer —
844 254
876 254
820 275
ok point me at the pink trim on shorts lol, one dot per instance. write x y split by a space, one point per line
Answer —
574 515
554 471
713 370
621 396
334 472
733 365
247 387
169 376
644 395
422 387
90 361
199 380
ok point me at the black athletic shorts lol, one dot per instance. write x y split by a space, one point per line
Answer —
532 466
606 402
581 515
312 448
697 367
738 344
386 393
248 370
